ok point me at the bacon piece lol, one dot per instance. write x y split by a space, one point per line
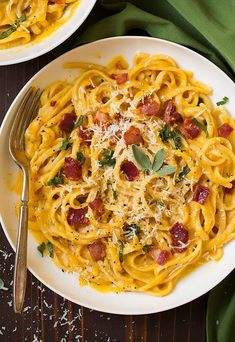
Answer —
161 256
224 130
77 217
230 191
67 122
101 119
120 78
97 250
53 103
200 194
133 136
72 168
130 170
114 138
190 130
170 115
150 107
85 135
179 236
97 205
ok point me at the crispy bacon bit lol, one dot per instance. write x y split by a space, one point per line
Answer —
118 117
85 135
130 170
97 250
180 237
224 130
133 136
114 138
77 217
170 115
200 194
101 119
161 256
190 130
120 78
67 122
230 190
53 103
149 107
72 168
97 205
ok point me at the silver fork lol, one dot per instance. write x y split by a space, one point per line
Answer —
24 115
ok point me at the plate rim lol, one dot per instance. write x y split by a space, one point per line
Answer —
4 122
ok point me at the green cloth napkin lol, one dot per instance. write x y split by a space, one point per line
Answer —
206 26
220 320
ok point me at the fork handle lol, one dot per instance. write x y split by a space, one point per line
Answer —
20 271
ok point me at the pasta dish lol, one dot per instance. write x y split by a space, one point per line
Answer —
22 21
132 181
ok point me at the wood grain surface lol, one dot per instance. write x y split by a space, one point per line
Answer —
48 317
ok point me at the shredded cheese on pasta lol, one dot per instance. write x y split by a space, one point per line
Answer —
130 245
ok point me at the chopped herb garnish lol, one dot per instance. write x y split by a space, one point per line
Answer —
79 121
160 203
223 102
120 250
130 230
13 27
80 157
158 159
41 248
65 145
141 158
107 158
50 248
115 196
167 134
147 248
200 125
1 284
204 122
56 180
101 80
166 170
183 174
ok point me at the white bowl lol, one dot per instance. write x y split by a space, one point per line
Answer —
190 287
33 49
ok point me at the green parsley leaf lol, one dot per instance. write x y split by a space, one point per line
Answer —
167 134
79 121
223 102
205 122
80 157
56 180
50 248
1 284
200 125
101 80
177 142
13 27
107 158
160 203
115 196
158 159
41 248
141 158
166 170
65 145
120 250
147 248
130 230
183 174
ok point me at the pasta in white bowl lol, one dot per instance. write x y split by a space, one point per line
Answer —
116 207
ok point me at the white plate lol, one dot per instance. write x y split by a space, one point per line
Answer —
190 287
31 50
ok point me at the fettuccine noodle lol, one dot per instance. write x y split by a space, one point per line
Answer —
122 222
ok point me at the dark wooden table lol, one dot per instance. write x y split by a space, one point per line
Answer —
49 317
